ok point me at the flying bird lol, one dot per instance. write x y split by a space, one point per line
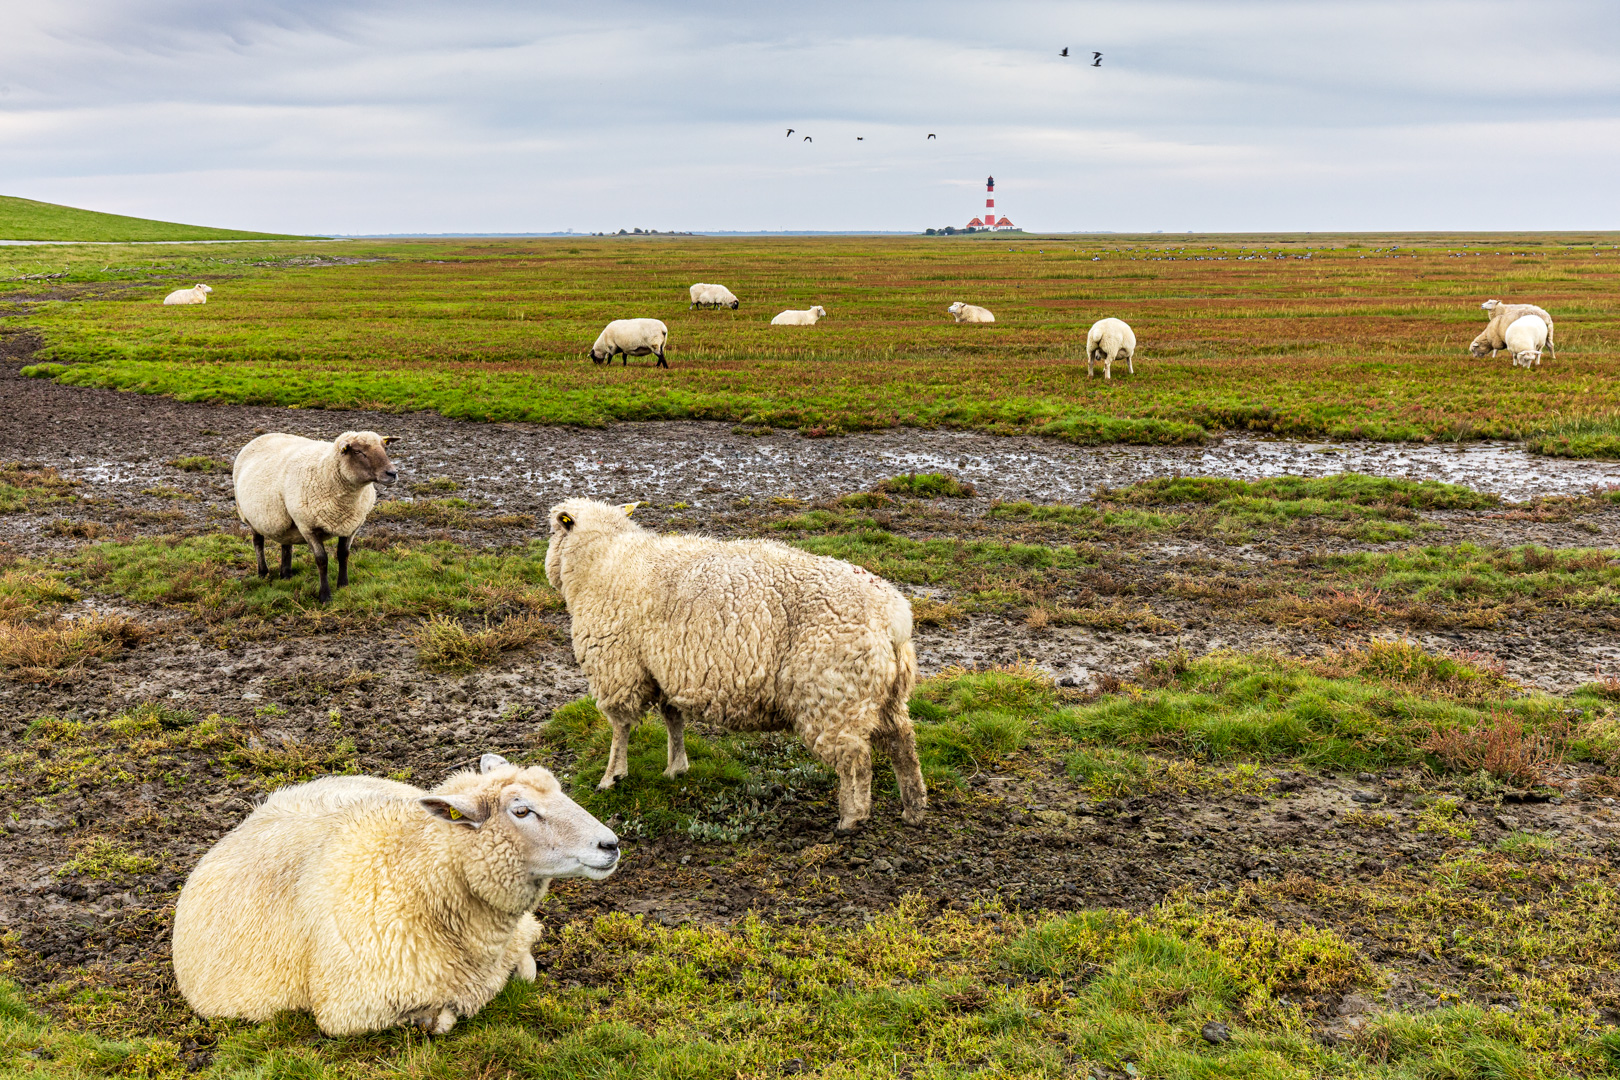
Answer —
860 138
1065 51
808 139
790 131
1096 59
930 135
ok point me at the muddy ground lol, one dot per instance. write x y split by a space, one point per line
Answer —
1032 839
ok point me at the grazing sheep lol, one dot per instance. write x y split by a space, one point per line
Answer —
704 295
1502 316
747 635
631 337
808 317
373 903
969 313
1525 339
197 294
1107 341
289 488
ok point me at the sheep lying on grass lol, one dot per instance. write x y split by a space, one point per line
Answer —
747 635
631 337
373 903
970 313
197 294
1525 339
1502 316
1107 341
808 317
289 488
705 295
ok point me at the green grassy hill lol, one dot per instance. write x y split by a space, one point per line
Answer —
25 219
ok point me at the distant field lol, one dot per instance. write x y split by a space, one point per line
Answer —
25 219
1307 336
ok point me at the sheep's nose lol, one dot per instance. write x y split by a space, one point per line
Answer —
390 476
609 845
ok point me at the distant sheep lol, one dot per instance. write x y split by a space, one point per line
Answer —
631 337
1525 339
291 489
746 635
372 903
969 313
704 295
1502 316
1107 341
808 317
197 294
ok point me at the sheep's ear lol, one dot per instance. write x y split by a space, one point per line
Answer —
491 762
388 439
565 520
457 808
629 508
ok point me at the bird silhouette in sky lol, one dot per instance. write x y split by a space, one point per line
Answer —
930 135
860 138
1065 51
808 139
790 131
1096 59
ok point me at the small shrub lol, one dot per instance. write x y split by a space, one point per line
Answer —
926 486
1505 748
444 644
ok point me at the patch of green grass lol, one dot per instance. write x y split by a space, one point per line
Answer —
437 485
200 463
1583 437
103 857
32 487
447 514
925 486
214 577
26 219
1570 578
1354 489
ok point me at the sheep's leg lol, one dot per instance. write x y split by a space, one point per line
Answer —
286 561
258 548
1130 363
850 755
618 765
1091 365
1108 368
343 560
675 725
900 746
661 361
317 547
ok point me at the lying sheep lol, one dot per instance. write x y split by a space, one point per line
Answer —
289 488
704 295
1525 339
1107 341
631 337
747 635
1502 316
197 294
969 313
372 903
808 317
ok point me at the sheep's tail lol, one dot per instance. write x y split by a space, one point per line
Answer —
895 734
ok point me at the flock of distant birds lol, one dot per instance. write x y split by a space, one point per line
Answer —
1096 61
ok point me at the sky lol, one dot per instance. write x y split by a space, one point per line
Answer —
432 116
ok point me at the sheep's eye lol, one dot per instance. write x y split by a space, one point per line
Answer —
520 811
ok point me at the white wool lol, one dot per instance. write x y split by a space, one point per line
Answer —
707 295
631 337
197 294
969 313
1107 341
808 317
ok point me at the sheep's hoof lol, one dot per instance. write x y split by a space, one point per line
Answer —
913 816
607 782
851 829
527 969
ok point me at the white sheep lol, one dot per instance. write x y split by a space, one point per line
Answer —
970 313
372 903
289 488
1525 339
197 294
1502 316
1107 341
809 317
747 635
705 295
631 337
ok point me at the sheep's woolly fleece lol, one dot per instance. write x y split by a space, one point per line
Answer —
747 635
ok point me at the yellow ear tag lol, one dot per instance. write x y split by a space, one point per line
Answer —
455 815
565 521
629 508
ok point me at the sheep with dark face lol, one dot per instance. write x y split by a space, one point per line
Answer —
704 294
1502 316
291 489
631 337
372 904
747 635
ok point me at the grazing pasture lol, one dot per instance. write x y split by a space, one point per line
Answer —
1307 336
1281 777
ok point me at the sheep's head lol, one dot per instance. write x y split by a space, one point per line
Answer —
202 288
821 312
1479 349
1490 305
363 458
956 308
734 304
525 831
577 523
599 355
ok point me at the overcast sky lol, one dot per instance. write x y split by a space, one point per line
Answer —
351 116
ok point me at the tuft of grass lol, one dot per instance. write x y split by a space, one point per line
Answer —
927 611
437 485
925 486
55 649
199 463
27 486
444 644
101 857
447 514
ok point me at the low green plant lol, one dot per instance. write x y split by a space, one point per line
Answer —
199 463
926 486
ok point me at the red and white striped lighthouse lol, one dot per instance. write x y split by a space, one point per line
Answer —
990 221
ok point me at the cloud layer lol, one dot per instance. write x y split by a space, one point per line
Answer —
411 116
